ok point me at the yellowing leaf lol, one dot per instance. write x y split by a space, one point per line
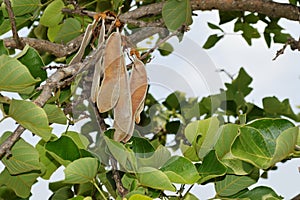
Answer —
112 60
138 88
123 123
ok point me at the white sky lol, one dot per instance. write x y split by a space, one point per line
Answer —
192 70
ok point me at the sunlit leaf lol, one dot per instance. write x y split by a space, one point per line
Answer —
124 156
274 107
55 114
62 193
17 80
30 116
139 197
63 147
229 133
203 134
47 160
154 178
177 13
160 156
260 192
32 60
180 170
265 142
20 184
80 140
70 29
211 167
52 15
81 171
22 7
25 157
232 184
3 49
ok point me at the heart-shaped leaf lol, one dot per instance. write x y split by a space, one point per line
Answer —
31 117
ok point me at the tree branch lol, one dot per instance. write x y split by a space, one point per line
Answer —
58 50
11 16
268 8
52 83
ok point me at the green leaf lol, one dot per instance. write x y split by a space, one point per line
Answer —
232 184
62 193
55 114
180 170
20 22
165 49
260 192
123 155
276 108
117 4
80 140
229 133
47 160
211 167
249 32
3 49
203 134
71 28
251 18
52 15
34 63
177 13
139 197
20 184
239 85
227 16
8 194
267 37
142 147
53 31
81 171
265 142
281 37
65 148
17 80
22 7
213 26
154 178
31 117
25 157
159 158
189 152
212 41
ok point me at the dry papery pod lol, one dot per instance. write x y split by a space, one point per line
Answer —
123 117
98 66
138 88
109 90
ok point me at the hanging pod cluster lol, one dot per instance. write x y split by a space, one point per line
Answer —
124 94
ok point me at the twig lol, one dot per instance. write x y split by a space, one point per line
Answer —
116 176
160 42
11 16
294 44
280 51
52 83
58 50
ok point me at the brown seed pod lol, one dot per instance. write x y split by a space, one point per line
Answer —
98 66
109 90
138 88
123 119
